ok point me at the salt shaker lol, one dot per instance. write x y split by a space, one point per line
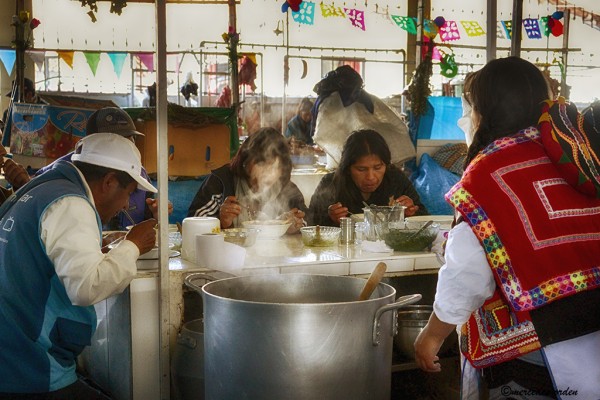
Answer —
346 235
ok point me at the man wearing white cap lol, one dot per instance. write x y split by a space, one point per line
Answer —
52 268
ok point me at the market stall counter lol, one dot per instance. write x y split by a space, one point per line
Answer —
124 355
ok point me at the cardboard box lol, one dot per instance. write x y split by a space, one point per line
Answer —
191 151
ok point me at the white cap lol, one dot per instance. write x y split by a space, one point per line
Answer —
112 151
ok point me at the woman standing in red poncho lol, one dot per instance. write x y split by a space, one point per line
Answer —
522 267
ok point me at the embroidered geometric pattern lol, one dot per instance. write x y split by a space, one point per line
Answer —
493 335
499 260
525 135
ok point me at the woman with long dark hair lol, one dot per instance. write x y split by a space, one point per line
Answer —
365 174
525 243
255 182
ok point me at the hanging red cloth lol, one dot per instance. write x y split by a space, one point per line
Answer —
247 73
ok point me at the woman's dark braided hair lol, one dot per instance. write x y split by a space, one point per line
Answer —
506 95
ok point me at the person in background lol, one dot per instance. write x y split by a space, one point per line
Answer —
29 94
141 205
592 114
365 174
254 185
348 83
150 98
519 261
299 126
52 269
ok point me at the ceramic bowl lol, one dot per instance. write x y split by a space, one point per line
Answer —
268 229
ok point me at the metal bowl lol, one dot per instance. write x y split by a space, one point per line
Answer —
411 321
245 237
328 236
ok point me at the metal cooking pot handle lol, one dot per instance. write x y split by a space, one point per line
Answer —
189 280
401 302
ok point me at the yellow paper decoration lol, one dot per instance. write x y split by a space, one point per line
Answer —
329 10
472 28
67 57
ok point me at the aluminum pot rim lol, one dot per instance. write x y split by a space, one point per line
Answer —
386 297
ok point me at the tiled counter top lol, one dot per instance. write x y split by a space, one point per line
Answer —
288 255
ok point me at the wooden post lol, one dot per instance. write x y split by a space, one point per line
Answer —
564 88
164 299
233 43
492 21
517 22
20 50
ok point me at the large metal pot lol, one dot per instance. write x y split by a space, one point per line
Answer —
297 336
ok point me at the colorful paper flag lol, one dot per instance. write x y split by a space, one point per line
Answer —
507 25
38 57
406 23
67 57
147 59
118 60
472 28
357 17
499 31
306 14
449 31
435 54
329 10
430 29
8 58
92 58
532 28
545 27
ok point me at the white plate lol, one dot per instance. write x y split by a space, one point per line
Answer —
445 221
153 254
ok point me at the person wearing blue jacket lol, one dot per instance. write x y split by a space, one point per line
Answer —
53 269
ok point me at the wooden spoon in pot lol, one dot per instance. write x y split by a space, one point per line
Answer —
373 281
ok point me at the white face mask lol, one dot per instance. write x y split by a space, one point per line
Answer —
465 123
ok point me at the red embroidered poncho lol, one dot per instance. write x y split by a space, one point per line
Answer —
541 238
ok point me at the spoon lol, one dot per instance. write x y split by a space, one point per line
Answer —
420 230
373 281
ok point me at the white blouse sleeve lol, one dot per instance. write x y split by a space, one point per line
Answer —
69 231
466 280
